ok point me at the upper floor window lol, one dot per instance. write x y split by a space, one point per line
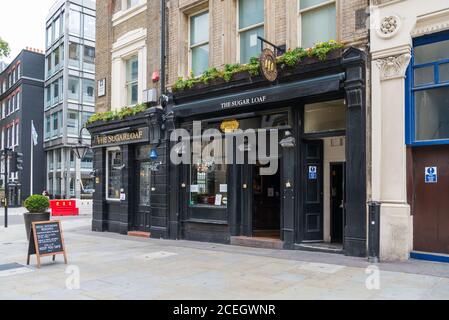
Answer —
49 36
74 55
131 3
251 18
199 43
132 75
57 29
75 22
89 27
429 90
89 58
318 21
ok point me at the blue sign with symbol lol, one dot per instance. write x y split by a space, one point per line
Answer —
431 175
313 174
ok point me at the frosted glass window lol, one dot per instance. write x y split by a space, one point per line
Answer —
444 72
325 116
132 73
74 88
72 123
318 22
251 12
88 91
251 16
131 3
89 27
75 22
199 43
432 114
249 44
431 52
74 55
424 75
89 58
57 28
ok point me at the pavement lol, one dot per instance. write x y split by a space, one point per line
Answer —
109 266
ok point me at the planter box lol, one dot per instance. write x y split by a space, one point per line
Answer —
245 77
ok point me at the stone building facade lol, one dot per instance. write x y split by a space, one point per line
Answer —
281 24
409 48
214 33
121 32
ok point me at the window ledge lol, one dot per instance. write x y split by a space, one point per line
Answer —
122 16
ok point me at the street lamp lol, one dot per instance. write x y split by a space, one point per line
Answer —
81 149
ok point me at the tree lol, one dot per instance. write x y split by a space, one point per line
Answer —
4 48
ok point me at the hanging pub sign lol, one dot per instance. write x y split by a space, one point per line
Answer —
268 65
46 240
114 139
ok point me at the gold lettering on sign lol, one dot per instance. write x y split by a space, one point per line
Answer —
120 137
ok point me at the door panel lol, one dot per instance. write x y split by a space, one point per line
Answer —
431 201
141 220
313 198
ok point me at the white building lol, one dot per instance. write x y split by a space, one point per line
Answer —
410 125
69 95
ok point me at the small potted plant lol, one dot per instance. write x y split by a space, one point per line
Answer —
37 206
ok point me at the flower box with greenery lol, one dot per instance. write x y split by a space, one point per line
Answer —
234 72
121 114
37 206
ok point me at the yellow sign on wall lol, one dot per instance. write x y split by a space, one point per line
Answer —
229 125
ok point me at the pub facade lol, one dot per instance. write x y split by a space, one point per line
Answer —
315 110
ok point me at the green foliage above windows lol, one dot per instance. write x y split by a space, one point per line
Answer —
290 59
117 114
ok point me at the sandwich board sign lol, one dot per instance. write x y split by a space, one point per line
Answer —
46 240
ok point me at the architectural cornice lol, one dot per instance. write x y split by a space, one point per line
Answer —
431 23
393 67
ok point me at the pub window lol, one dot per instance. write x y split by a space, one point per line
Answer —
132 74
317 21
429 91
251 18
208 185
199 43
114 168
325 116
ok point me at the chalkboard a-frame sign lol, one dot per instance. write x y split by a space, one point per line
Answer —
46 240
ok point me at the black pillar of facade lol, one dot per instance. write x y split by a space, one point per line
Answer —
129 189
354 62
99 218
288 184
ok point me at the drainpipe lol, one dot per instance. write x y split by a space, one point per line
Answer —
163 45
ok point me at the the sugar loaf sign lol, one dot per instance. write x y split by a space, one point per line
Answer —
114 139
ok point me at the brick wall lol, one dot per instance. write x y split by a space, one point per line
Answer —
281 28
107 35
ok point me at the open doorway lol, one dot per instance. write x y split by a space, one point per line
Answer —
337 202
266 220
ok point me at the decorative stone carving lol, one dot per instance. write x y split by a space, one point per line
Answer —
389 26
393 67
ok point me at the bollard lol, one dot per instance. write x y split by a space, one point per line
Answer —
374 232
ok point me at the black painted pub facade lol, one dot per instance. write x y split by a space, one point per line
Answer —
139 189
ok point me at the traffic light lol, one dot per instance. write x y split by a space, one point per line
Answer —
16 162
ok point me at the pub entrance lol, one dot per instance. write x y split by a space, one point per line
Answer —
266 204
141 217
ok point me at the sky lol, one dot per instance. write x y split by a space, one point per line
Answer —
22 24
